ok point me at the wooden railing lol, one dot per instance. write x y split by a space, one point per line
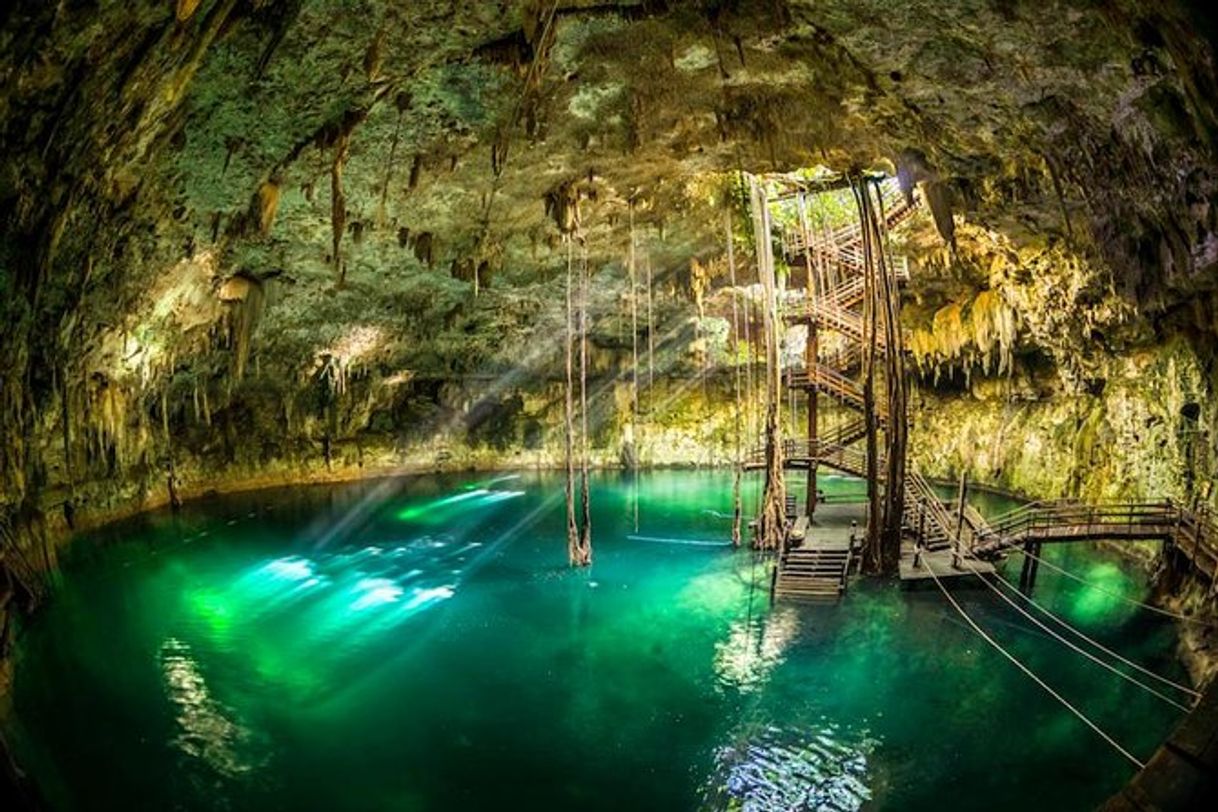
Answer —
1193 533
849 237
920 496
834 383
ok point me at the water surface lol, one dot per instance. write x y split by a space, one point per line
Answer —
419 644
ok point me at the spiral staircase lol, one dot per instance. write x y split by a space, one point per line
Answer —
836 315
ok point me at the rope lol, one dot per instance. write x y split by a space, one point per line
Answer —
1150 607
651 341
680 542
737 461
634 369
1031 601
1069 644
1031 675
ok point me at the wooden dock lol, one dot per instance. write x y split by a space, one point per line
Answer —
939 562
815 564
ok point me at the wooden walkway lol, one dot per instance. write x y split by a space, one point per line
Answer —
1182 776
1188 535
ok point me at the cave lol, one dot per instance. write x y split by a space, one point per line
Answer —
593 404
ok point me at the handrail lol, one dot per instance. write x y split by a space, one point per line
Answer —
834 383
896 208
1190 531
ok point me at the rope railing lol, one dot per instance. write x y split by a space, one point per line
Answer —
1159 610
1032 675
1074 647
1184 689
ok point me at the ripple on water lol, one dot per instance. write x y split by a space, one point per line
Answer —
753 649
787 769
206 729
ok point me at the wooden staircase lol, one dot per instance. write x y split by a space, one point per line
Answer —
833 308
812 573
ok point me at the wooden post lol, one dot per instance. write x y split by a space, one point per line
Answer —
956 542
1026 569
772 523
1035 566
811 356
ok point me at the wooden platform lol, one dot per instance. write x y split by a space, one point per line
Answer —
816 563
940 563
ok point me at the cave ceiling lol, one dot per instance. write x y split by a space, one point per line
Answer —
361 163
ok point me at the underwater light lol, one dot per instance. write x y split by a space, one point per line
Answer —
426 596
418 511
294 567
376 591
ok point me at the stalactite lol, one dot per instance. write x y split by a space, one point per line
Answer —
338 204
185 9
267 202
402 102
244 296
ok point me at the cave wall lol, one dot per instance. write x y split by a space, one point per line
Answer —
272 240
1144 436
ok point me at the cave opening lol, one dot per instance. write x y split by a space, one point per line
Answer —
559 404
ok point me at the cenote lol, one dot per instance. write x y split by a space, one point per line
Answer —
421 643
604 405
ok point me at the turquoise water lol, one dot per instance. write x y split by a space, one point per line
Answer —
420 644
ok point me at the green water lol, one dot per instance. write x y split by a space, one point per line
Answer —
419 644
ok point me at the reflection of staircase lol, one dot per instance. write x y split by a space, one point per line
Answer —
812 573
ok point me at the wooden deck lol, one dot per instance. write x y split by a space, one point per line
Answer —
939 562
1183 774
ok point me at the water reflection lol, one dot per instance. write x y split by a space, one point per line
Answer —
206 729
753 650
775 769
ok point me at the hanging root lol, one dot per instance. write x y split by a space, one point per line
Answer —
338 203
737 509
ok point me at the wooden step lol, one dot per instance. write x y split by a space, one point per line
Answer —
809 587
798 554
